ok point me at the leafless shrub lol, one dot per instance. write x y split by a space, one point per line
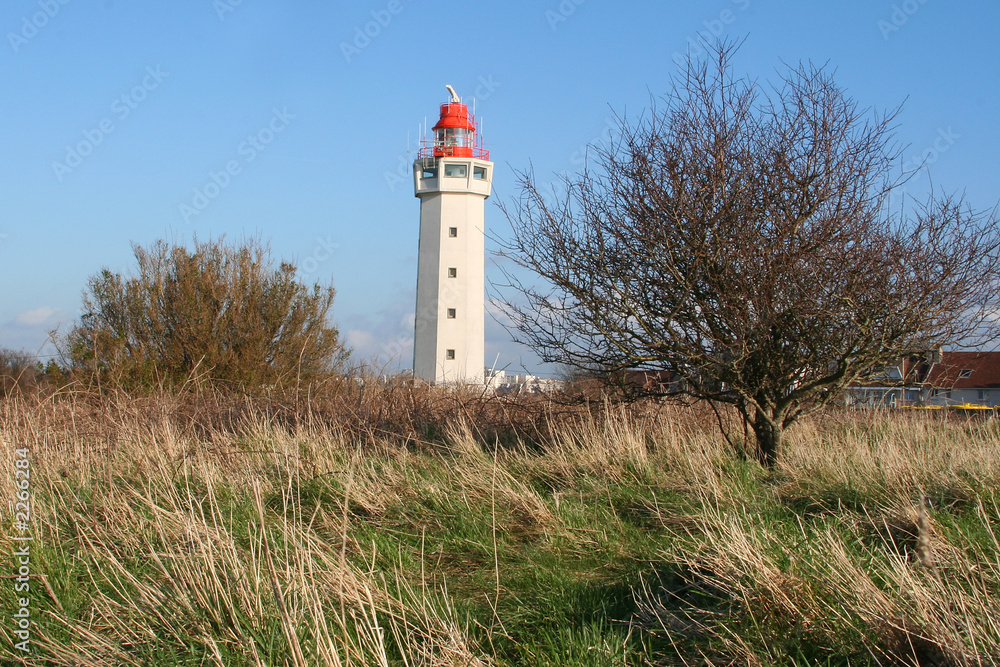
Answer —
738 240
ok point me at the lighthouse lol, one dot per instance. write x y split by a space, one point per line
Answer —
452 177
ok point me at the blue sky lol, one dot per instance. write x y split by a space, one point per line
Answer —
116 115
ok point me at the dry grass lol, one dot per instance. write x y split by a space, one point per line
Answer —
860 564
212 529
134 509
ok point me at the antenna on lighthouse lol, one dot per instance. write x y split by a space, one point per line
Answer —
455 99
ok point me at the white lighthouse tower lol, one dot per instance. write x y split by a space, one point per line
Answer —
451 177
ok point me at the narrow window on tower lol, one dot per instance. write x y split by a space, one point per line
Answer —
449 354
451 313
479 172
453 232
452 272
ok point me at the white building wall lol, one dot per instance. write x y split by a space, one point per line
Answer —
988 397
448 202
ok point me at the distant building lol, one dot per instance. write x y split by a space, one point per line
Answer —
963 378
519 385
943 379
895 386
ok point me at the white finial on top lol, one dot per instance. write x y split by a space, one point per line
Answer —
455 99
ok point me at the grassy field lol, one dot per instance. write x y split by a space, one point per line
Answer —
168 532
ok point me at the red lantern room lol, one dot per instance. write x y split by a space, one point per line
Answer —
455 133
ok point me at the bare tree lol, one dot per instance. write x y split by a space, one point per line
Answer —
739 238
18 371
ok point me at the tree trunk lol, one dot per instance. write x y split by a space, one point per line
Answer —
768 432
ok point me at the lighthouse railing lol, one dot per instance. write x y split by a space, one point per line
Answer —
431 148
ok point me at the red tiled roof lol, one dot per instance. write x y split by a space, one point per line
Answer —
947 373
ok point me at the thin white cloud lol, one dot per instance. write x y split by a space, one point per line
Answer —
36 317
359 339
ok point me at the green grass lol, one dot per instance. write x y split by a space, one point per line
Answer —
623 542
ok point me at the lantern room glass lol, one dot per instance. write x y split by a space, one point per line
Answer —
454 137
